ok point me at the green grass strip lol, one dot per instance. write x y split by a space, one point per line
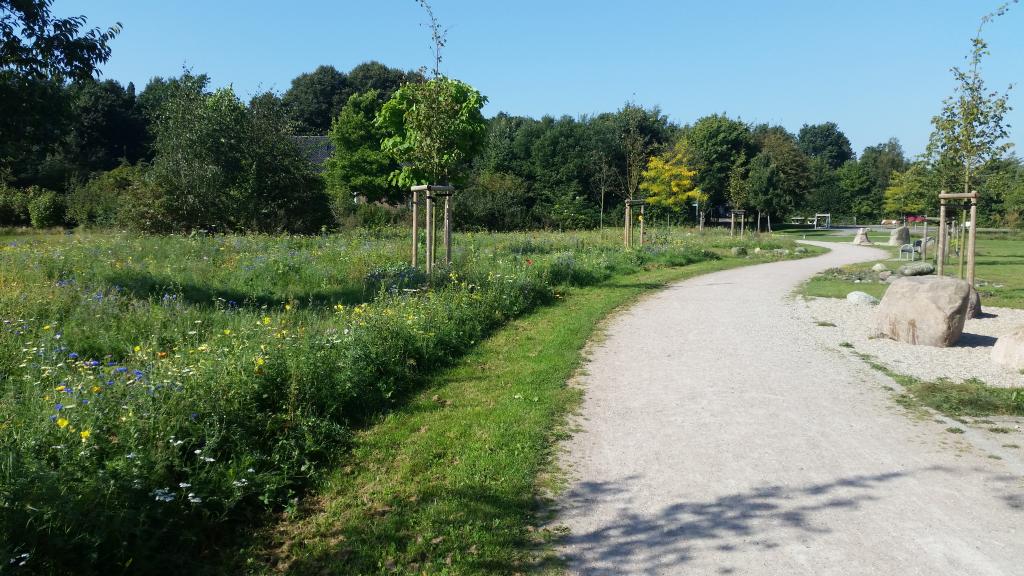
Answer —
451 483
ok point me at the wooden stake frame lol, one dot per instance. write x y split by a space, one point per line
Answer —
627 229
971 233
432 192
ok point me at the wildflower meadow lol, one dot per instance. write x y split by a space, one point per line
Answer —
156 391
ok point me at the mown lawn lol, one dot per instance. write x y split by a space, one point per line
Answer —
999 270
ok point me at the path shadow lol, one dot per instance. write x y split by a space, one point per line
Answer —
968 340
762 518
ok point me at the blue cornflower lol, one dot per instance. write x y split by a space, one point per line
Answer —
84 401
53 418
138 373
120 369
110 382
58 407
73 355
193 416
92 363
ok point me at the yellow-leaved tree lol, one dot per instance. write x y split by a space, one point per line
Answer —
668 180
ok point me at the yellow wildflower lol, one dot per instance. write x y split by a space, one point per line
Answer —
62 422
85 435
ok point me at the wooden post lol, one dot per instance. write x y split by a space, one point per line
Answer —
924 241
732 224
626 232
743 223
971 238
448 229
415 229
642 224
429 225
940 254
960 244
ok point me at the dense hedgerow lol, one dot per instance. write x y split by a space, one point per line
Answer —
156 391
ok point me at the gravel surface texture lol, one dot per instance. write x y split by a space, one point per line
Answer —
970 358
719 435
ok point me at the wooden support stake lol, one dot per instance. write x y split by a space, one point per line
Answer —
641 224
940 254
971 237
626 232
960 244
429 225
732 224
448 229
924 241
415 229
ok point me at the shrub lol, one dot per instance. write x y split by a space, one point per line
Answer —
45 208
13 207
220 165
99 201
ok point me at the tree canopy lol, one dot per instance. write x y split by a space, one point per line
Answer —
825 141
435 129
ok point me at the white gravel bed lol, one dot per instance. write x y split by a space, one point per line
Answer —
970 358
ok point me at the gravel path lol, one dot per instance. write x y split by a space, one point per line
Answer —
719 436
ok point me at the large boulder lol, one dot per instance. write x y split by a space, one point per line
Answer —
927 310
862 237
1009 349
974 304
917 269
899 236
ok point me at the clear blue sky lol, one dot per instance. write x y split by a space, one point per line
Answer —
877 68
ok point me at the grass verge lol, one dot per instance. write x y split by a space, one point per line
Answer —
956 400
452 482
1000 272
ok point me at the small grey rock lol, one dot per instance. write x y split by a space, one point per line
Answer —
884 275
879 267
858 297
800 250
917 269
739 251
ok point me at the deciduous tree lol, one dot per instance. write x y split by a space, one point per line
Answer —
358 166
435 129
827 142
970 130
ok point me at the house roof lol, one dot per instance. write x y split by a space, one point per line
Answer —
317 149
